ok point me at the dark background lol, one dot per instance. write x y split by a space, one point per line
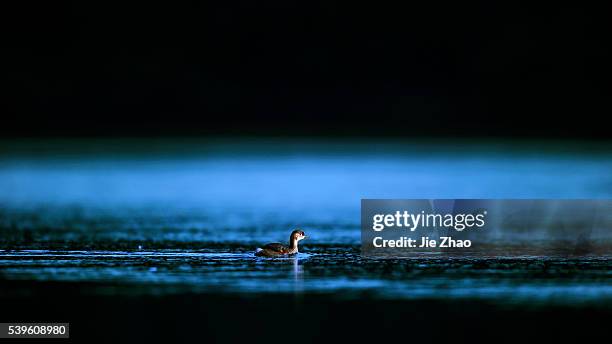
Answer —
305 68
315 318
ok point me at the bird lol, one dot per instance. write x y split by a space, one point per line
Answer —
279 250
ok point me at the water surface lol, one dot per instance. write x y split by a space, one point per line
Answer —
172 217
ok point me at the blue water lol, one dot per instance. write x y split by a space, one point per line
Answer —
167 217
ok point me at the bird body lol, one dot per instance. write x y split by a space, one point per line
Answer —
278 250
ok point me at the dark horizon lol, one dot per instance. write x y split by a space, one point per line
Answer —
315 69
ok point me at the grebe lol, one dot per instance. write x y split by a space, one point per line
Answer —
278 250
